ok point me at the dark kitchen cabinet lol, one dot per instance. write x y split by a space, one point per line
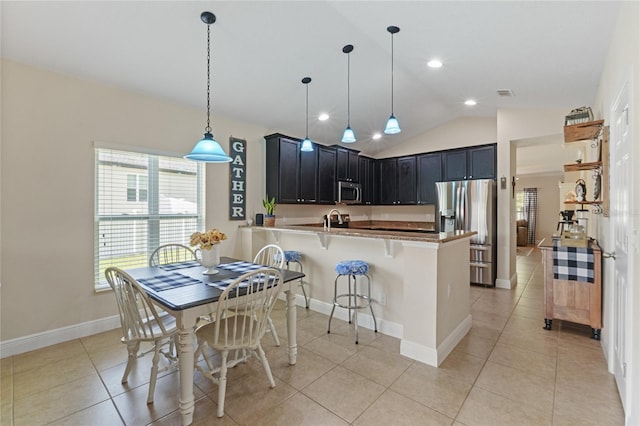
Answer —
327 157
367 179
477 162
454 164
397 180
407 180
481 162
308 185
291 175
429 172
387 181
347 165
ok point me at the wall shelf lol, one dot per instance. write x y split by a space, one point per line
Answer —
583 131
578 167
583 202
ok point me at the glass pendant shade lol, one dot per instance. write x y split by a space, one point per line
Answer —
208 150
307 145
392 126
348 136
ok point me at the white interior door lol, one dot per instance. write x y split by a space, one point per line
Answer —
622 223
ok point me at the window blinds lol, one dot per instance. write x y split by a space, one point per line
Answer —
141 202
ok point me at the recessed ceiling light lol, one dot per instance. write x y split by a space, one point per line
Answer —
376 136
434 63
323 117
470 102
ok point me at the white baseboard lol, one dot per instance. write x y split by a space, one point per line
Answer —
47 338
435 356
507 284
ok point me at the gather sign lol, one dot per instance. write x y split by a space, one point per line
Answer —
237 178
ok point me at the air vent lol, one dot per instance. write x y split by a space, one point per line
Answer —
505 93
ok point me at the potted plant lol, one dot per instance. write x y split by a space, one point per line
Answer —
270 206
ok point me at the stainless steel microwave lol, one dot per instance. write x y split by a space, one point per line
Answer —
349 192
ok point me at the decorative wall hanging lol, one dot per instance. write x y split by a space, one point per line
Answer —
237 179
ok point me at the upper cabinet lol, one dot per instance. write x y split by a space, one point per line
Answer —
454 164
481 162
367 179
287 167
347 165
429 172
477 162
326 175
296 177
397 180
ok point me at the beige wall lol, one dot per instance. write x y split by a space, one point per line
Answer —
548 204
458 133
49 125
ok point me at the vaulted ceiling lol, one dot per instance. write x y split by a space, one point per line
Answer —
549 54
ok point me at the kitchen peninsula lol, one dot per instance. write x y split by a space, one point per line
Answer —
420 279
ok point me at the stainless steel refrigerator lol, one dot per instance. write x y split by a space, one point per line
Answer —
470 205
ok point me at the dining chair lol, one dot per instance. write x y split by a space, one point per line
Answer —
240 321
141 323
272 256
171 253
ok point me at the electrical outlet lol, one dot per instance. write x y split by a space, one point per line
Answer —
383 299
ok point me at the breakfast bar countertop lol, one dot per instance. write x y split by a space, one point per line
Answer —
426 236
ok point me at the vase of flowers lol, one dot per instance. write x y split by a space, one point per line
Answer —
270 206
207 244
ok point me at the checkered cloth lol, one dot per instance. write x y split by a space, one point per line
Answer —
240 267
572 263
179 265
168 281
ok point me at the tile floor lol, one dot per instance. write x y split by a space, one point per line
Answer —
506 371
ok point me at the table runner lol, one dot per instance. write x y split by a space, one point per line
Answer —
573 263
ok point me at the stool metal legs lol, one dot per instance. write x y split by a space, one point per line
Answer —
302 283
353 298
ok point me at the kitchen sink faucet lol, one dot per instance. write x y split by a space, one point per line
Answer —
327 225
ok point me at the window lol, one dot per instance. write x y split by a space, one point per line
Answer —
136 187
520 205
143 201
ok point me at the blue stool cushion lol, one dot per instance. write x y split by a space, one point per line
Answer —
289 256
352 267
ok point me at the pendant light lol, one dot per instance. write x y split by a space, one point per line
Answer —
307 145
208 149
348 136
392 124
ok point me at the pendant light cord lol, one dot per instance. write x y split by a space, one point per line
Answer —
307 128
349 90
391 73
208 128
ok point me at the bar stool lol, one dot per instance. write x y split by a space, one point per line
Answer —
352 269
292 256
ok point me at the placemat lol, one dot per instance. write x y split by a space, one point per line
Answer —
168 281
241 267
179 265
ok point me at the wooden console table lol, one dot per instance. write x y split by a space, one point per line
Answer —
572 300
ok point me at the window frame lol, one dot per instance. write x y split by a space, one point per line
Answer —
153 218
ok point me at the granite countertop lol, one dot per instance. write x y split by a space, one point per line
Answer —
419 235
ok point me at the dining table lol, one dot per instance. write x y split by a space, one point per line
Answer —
185 292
